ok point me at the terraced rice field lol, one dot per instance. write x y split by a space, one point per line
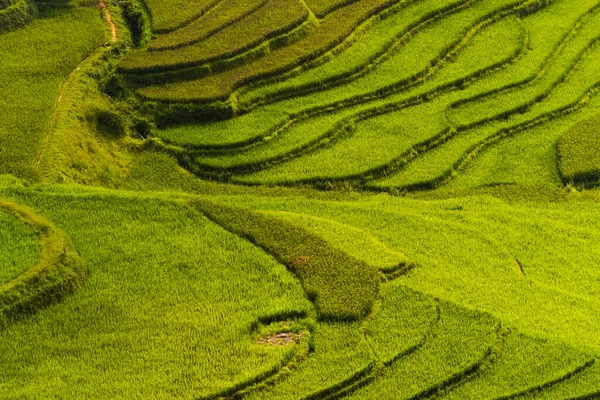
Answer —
425 85
300 199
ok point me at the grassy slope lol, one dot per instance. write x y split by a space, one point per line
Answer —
191 314
35 61
175 305
19 247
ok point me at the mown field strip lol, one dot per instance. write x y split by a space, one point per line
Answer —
522 365
454 349
220 17
555 73
274 144
169 16
327 35
376 44
275 18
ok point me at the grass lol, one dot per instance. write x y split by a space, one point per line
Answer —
35 61
15 14
579 162
228 133
379 204
220 17
341 287
273 19
395 132
20 247
168 16
377 42
536 90
493 234
58 272
322 8
180 308
523 364
453 348
321 39
338 353
461 67
397 330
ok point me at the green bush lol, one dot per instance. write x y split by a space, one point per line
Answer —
16 15
136 20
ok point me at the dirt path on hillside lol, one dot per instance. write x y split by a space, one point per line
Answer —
113 30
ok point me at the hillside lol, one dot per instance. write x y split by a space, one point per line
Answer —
300 199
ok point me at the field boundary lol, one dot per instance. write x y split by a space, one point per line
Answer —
59 272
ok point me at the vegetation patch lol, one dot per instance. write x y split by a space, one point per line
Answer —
59 271
16 14
342 288
20 248
578 153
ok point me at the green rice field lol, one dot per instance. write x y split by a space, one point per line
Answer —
300 199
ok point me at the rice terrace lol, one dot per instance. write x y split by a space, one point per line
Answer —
300 199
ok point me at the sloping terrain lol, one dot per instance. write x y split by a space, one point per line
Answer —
300 199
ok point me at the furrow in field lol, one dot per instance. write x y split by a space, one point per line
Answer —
467 147
579 13
522 365
520 101
58 272
300 349
376 45
502 134
328 34
402 131
549 110
401 324
339 357
218 19
458 344
169 16
428 170
576 387
323 7
275 18
278 149
420 59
